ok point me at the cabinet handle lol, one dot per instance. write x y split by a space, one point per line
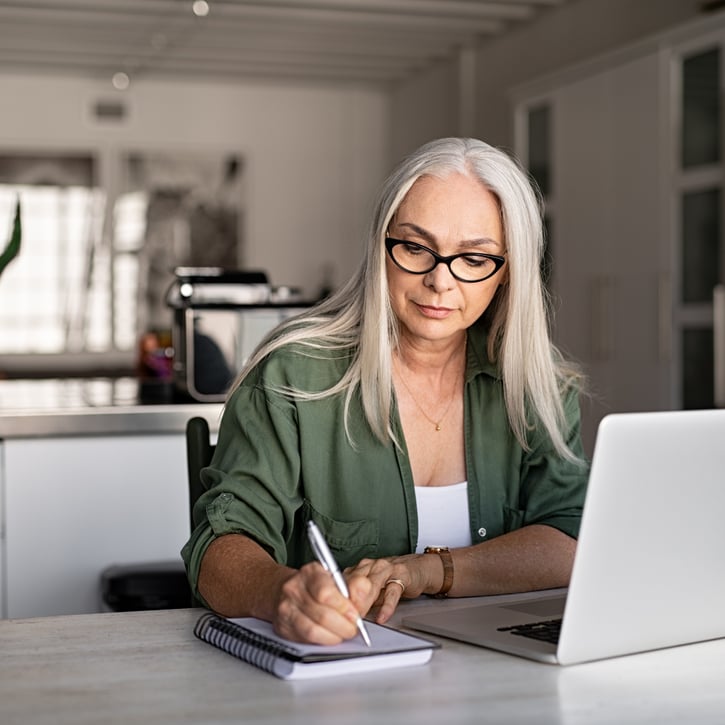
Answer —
718 333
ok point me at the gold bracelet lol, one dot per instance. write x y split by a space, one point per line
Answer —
447 560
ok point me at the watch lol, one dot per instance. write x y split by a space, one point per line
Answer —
447 560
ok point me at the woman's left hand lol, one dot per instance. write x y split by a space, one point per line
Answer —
392 579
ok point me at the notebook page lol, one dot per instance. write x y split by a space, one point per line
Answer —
384 640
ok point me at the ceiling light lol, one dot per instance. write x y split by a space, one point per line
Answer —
200 8
121 81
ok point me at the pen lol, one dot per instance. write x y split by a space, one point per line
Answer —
325 557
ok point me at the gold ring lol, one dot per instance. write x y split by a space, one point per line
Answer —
399 582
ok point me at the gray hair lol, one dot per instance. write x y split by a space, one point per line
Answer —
359 318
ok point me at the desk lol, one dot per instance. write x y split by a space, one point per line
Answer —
147 667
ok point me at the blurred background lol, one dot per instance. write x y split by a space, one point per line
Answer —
189 173
141 135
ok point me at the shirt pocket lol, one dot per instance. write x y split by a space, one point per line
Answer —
349 541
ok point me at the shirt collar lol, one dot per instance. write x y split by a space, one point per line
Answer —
477 361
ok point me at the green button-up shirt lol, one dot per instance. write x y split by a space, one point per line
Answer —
280 461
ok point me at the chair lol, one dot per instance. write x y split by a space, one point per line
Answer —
199 451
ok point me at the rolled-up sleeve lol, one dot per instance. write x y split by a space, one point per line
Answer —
552 488
253 479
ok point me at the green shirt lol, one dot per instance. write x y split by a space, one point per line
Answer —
280 461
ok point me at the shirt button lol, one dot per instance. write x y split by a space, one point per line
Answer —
482 532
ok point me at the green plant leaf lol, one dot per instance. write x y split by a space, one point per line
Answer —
13 245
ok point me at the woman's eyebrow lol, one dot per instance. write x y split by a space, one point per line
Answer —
425 234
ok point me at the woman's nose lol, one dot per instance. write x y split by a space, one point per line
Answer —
439 278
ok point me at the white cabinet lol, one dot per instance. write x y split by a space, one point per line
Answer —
607 239
623 245
72 506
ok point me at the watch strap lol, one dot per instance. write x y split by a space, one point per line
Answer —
447 560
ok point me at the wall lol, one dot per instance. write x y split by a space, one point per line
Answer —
424 108
427 106
314 155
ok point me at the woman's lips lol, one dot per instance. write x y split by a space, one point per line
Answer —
437 313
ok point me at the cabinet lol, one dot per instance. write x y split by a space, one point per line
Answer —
608 262
617 211
74 505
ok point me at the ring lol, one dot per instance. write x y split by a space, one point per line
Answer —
399 582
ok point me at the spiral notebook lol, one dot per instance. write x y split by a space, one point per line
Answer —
254 641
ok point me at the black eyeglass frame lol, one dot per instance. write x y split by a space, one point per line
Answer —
497 259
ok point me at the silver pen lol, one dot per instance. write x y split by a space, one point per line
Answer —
325 557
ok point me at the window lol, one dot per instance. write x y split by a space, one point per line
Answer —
701 108
95 262
53 295
699 252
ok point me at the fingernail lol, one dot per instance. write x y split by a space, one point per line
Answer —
352 615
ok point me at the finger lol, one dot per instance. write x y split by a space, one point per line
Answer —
381 571
325 592
362 568
298 626
312 609
378 572
362 593
391 595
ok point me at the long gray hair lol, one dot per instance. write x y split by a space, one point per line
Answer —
358 317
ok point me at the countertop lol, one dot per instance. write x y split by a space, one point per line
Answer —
96 406
147 667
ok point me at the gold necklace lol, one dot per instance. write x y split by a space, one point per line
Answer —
437 424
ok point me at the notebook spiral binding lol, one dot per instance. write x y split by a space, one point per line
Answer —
242 643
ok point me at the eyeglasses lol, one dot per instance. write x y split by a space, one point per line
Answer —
465 267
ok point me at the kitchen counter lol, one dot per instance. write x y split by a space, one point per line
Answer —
92 475
98 406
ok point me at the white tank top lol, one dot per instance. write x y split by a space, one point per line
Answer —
443 516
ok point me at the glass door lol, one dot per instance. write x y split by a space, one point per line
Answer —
699 254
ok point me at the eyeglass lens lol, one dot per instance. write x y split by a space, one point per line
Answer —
417 259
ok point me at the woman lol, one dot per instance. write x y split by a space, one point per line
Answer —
420 416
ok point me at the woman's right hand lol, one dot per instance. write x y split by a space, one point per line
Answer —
311 608
238 578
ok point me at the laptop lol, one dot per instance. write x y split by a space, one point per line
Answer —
649 570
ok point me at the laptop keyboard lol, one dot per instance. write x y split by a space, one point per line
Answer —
546 631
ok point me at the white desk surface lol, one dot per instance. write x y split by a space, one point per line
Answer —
147 667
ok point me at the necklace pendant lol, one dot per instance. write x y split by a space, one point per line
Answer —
438 427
